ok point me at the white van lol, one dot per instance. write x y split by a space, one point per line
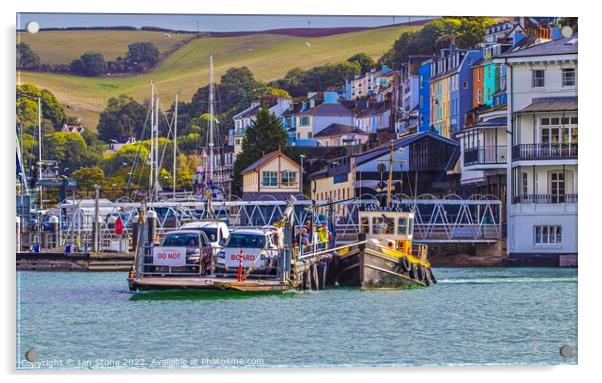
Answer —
216 231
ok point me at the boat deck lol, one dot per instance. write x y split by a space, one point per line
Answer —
208 283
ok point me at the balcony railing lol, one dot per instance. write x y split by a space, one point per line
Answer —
485 155
545 198
544 151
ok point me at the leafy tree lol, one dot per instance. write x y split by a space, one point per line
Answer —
69 149
89 64
26 57
264 135
141 55
27 106
87 177
257 93
363 60
434 36
234 87
298 82
122 117
231 95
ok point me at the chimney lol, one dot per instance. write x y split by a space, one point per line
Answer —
543 33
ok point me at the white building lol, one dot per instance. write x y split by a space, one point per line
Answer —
542 172
315 119
483 156
244 119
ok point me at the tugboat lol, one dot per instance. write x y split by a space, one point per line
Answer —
384 256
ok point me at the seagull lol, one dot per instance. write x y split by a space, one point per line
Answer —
307 44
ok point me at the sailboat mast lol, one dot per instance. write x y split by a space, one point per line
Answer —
156 184
211 118
40 151
152 140
175 145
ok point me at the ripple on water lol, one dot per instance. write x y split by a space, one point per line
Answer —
473 316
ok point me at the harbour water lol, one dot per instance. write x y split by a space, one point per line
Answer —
472 316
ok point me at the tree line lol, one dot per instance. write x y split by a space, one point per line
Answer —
140 57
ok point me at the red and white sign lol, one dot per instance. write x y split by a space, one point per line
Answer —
247 256
169 256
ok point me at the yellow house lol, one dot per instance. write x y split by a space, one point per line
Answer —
336 182
274 174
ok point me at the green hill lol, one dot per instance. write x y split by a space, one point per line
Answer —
268 56
62 47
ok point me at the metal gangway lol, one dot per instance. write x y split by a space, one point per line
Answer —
450 219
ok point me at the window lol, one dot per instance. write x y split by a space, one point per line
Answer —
402 226
548 234
465 84
479 96
289 178
365 225
568 77
538 78
557 130
304 121
557 187
524 184
269 179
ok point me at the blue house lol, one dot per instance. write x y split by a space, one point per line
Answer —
461 85
424 94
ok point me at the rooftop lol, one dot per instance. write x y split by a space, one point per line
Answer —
564 46
339 129
328 110
264 160
551 104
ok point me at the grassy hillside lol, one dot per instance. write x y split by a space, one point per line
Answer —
268 56
61 47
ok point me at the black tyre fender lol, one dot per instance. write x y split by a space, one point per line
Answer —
405 264
432 276
428 279
421 273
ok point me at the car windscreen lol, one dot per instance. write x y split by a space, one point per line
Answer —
181 240
246 240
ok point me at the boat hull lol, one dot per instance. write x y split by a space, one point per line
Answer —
207 284
370 268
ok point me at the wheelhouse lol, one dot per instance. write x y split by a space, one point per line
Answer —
387 225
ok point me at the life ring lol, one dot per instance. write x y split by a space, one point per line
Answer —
405 264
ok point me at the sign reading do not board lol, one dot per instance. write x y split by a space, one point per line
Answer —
169 256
